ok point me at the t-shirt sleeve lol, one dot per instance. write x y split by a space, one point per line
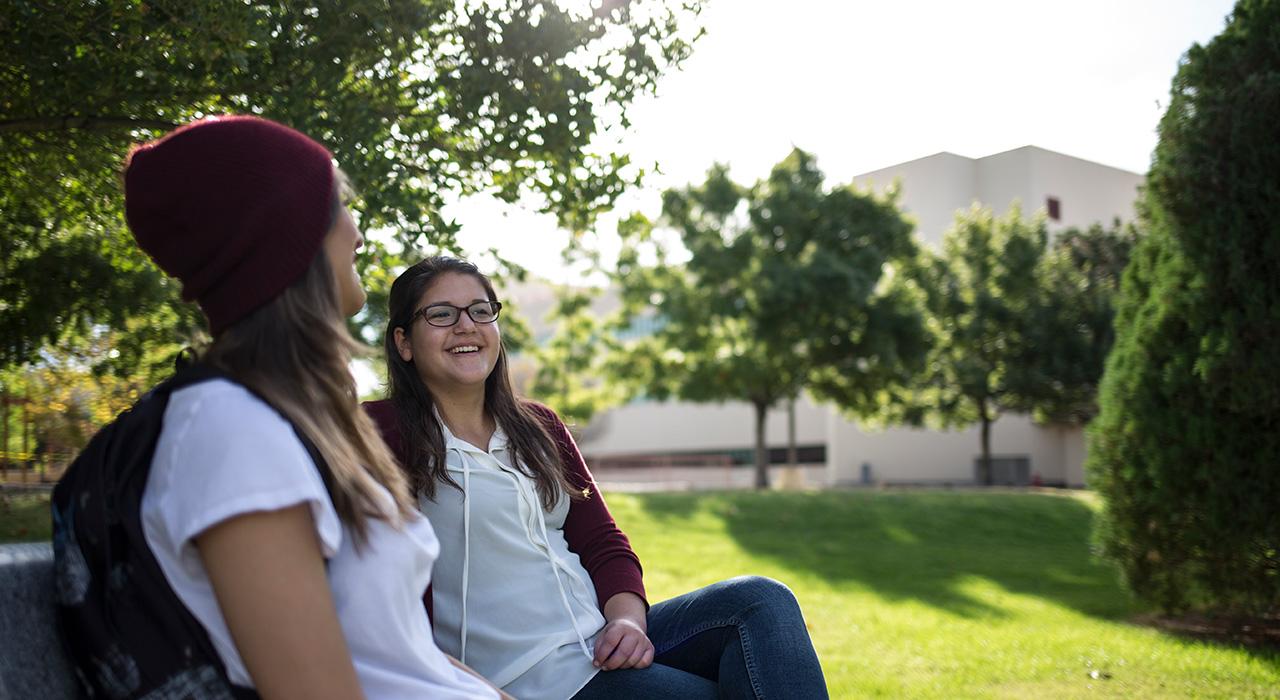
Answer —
224 453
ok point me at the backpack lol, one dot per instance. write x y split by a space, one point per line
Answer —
126 632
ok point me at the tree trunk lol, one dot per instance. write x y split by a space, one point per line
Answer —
762 454
4 420
986 445
793 453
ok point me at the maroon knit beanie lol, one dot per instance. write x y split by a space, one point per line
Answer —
234 207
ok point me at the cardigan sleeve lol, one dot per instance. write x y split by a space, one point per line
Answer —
592 534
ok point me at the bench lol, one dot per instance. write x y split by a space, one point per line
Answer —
32 663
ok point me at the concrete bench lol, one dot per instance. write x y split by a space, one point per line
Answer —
32 663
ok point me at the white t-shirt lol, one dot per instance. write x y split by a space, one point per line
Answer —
532 614
222 453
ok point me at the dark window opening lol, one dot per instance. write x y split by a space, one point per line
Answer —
1054 207
1006 470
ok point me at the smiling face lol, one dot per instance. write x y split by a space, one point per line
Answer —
458 358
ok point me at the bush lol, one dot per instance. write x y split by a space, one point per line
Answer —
1186 449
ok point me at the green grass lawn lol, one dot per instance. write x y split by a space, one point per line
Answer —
919 594
24 517
939 594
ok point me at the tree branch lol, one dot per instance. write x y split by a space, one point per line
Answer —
39 124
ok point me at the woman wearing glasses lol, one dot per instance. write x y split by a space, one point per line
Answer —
536 587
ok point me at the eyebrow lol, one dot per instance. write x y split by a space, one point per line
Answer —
449 303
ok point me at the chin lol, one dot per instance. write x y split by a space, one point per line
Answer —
353 305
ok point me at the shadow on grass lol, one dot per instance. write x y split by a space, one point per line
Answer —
922 546
926 546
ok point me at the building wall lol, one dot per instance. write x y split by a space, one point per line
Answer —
895 454
931 190
1073 444
1005 177
1089 192
922 455
673 426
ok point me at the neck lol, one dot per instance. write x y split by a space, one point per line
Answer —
465 416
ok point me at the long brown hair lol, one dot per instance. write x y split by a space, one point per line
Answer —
532 449
295 353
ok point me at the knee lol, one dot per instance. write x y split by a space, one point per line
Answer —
760 591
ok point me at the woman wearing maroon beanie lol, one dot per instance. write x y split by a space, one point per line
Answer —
308 586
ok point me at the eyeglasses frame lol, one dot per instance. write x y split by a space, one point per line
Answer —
421 313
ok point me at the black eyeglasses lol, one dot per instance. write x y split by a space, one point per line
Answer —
445 315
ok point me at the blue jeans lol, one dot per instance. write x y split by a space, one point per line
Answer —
741 638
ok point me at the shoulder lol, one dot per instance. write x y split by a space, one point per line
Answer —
222 452
551 422
220 420
543 412
383 413
385 419
221 407
563 439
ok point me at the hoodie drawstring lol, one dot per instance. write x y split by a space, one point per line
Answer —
555 569
466 546
466 555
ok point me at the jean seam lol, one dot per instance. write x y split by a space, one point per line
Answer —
749 660
699 630
738 622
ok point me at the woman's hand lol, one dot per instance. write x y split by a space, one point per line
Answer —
623 642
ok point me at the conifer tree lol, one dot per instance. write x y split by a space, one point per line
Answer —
1186 449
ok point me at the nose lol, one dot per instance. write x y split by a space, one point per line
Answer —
464 324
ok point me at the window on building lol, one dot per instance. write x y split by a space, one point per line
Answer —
1054 207
1006 470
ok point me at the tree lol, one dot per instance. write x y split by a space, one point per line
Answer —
781 280
63 401
1186 447
1072 327
572 363
982 296
420 100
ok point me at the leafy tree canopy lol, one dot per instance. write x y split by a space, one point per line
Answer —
982 298
781 279
420 101
1072 329
572 364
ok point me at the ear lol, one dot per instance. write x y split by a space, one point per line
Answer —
402 344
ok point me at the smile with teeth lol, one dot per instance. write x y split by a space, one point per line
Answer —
463 348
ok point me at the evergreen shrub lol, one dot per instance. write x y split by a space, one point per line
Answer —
1186 448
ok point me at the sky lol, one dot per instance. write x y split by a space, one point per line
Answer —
864 85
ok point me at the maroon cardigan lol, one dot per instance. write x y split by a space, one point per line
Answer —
589 529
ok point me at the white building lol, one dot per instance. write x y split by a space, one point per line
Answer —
1071 191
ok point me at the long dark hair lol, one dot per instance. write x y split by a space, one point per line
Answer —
532 449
